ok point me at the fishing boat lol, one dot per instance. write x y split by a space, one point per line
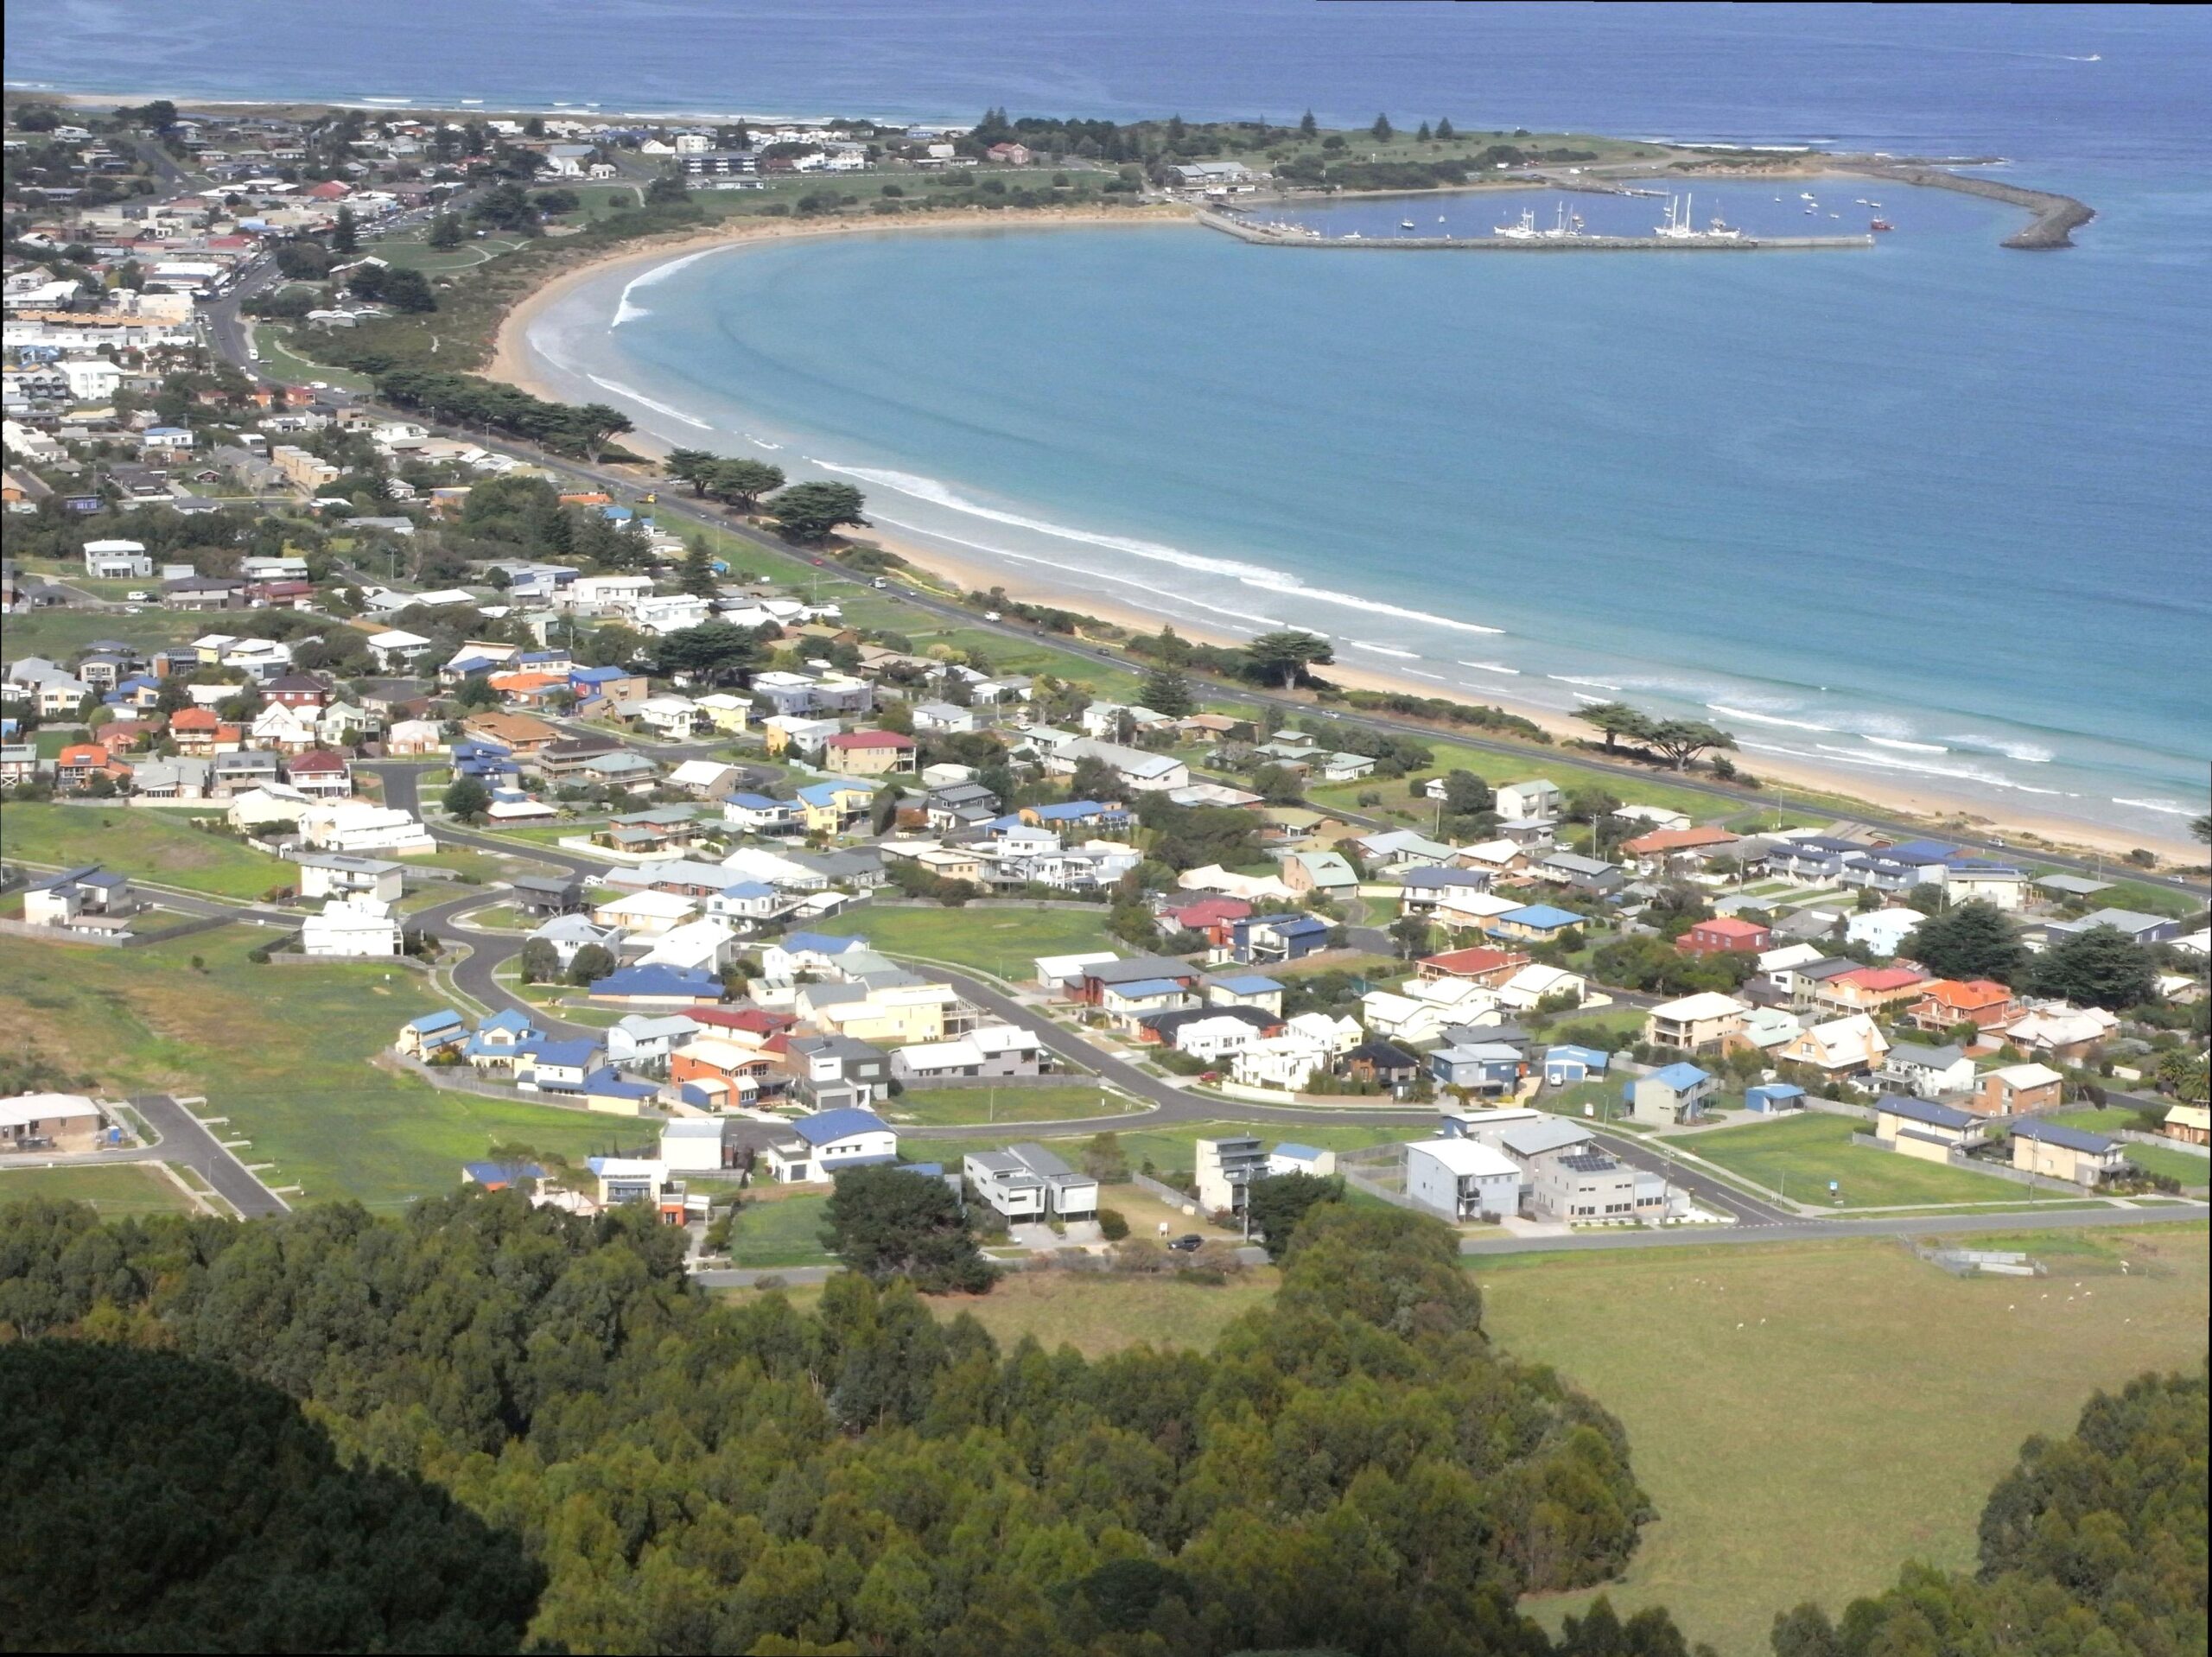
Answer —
1806 195
1880 223
1525 231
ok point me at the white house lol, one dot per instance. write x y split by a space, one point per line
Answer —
358 925
117 560
1883 930
355 826
1528 802
1463 1179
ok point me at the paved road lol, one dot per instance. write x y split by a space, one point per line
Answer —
185 1140
2053 1219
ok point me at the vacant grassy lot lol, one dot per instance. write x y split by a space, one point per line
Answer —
59 634
781 1230
1098 1315
958 1107
1807 1416
281 1052
117 1189
1171 1147
1001 941
1798 1155
148 843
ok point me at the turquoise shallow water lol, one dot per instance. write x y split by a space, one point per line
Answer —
1931 512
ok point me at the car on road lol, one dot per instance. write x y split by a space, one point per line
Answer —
992 615
1188 1244
139 595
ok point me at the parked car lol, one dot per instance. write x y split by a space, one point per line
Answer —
1188 1245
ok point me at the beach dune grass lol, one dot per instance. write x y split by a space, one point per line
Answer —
1798 1155
1809 1416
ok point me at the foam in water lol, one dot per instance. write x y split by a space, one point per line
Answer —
1492 667
1568 679
626 310
2164 808
1383 649
645 402
1257 575
2027 753
1910 747
1766 718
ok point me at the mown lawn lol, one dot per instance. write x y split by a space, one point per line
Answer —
117 1189
59 634
958 1107
1005 941
1798 1155
1098 1314
283 1053
1807 1416
1171 1147
153 844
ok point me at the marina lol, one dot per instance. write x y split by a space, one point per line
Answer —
1678 234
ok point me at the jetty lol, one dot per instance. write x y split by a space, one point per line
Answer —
2055 216
1262 234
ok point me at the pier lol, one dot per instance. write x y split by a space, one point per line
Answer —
1262 235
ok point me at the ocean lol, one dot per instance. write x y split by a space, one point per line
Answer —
1930 512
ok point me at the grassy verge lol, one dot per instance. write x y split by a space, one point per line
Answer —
1809 1416
62 635
117 1189
780 1229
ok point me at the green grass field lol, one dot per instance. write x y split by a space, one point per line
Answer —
116 1190
1002 941
59 635
1807 1416
1170 1147
283 1053
148 843
1798 1155
781 1231
958 1107
280 361
1098 1315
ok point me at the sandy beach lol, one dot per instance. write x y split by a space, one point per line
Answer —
514 361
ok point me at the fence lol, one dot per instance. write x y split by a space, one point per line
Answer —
1379 1171
62 935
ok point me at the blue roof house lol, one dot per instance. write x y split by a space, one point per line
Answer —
1664 1098
1535 924
1774 1098
658 986
1259 939
545 1066
433 1032
829 1142
1565 1065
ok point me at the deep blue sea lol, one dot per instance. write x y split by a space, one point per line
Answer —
1932 512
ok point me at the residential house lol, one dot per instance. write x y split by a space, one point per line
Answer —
1535 924
2018 1088
1486 968
1925 1129
2139 927
987 1051
1137 769
1876 990
1704 1023
2188 1125
1438 892
1462 1179
1586 1187
868 754
1381 1063
1245 989
1944 1004
1927 1072
358 925
1677 1093
1883 930
432 1034
2057 1151
706 1070
1538 801
833 807
822 1145
1258 940
1309 1043
68 1124
1839 1048
2063 1034
1026 1182
757 814
1402 848
1724 935
1486 1069
1590 876
1679 849
80 898
546 894
1225 1167
329 874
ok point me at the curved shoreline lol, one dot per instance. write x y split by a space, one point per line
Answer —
515 361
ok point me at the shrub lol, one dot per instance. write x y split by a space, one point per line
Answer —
1112 1225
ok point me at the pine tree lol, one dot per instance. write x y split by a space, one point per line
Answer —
697 576
1422 135
1381 129
1308 126
1443 133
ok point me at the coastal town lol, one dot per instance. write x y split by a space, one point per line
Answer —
708 818
409 784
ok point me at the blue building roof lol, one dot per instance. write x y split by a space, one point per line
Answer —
1926 1111
507 1019
659 981
755 801
830 1125
1681 1077
1776 1090
1543 917
501 1173
579 1052
826 793
1148 987
607 1083
1589 1057
934 1169
2071 1139
1249 984
596 675
431 1023
468 664
1076 811
821 943
1297 1152
748 889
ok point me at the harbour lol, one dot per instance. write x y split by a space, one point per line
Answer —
1263 234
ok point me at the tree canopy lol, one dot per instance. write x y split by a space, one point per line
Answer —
2102 966
885 1222
1974 939
808 512
1354 1467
